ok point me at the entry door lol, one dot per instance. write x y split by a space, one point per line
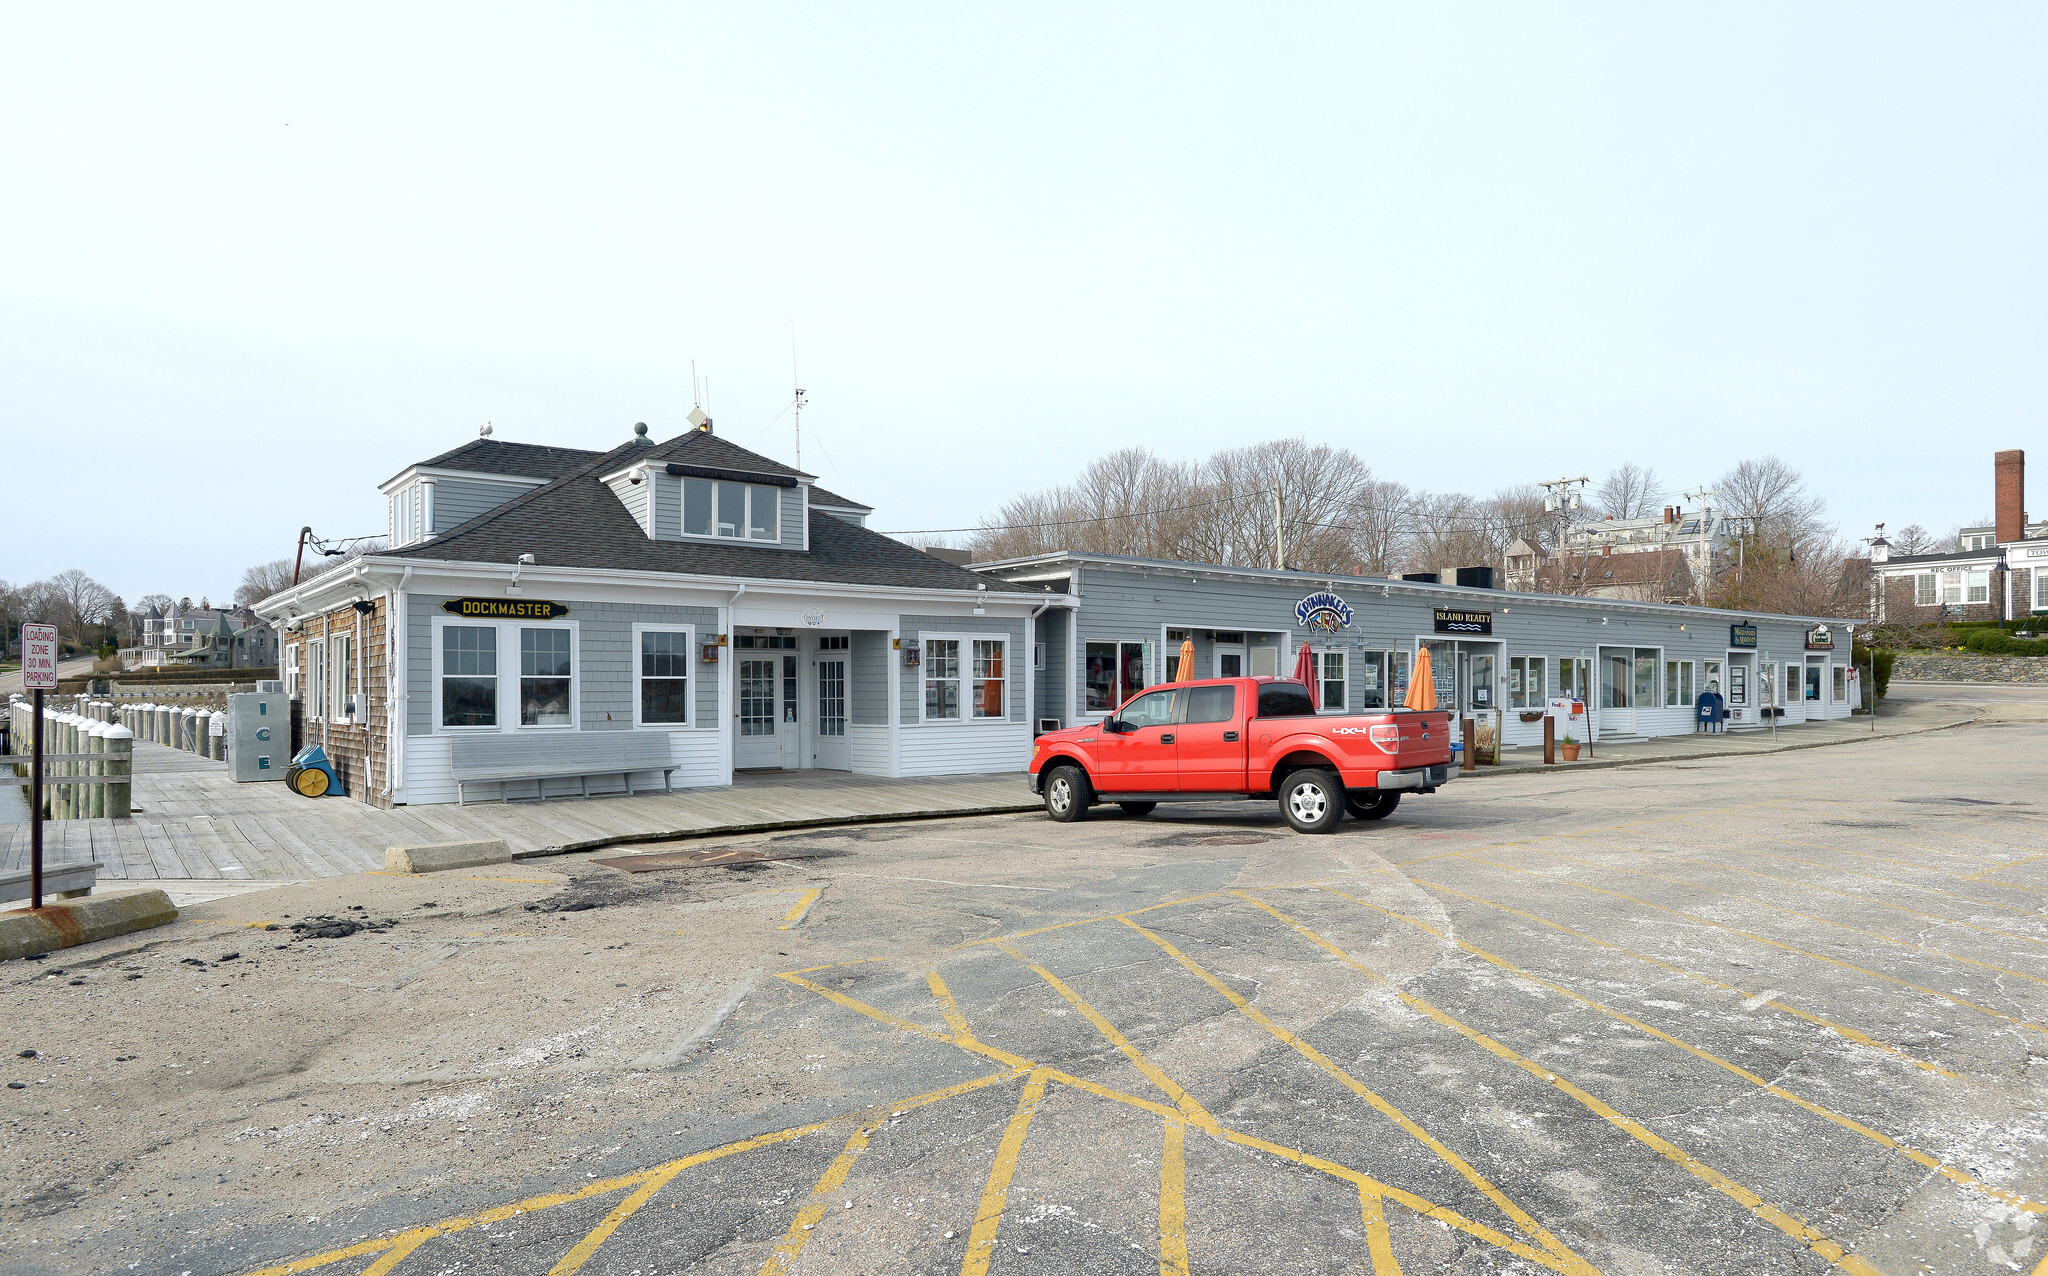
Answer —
760 714
1617 708
1142 759
1229 661
830 748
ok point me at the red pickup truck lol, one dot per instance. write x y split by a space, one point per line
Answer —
1242 738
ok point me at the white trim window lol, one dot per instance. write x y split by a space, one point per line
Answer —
466 659
1333 683
715 509
1678 692
1977 585
291 671
1114 672
1526 682
316 680
941 665
341 678
547 681
661 674
1926 589
2041 588
991 678
1951 589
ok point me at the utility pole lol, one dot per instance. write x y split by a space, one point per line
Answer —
1563 498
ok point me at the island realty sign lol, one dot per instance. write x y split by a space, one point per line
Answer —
1323 610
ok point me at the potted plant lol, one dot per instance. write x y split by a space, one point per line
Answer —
1569 747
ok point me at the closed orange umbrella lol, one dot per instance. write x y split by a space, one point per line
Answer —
1305 673
1421 684
1187 660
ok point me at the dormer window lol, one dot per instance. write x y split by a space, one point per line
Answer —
733 511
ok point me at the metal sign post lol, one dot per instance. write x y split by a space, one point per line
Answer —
38 674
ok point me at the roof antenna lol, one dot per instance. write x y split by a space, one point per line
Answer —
696 395
799 396
484 431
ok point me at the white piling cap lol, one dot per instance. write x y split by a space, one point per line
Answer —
120 733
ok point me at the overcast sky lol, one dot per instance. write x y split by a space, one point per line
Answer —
257 261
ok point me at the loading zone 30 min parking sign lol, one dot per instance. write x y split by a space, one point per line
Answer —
39 657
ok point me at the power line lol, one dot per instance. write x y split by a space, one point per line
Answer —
1486 522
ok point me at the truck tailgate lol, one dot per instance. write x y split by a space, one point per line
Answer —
1425 740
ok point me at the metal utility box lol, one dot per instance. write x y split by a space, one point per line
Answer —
259 735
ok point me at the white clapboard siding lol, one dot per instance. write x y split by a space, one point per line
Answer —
972 747
428 782
873 749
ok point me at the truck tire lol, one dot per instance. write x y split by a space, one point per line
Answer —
1312 800
1373 806
1138 809
1067 794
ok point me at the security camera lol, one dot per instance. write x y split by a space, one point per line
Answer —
526 558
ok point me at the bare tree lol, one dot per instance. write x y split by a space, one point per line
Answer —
1629 491
157 601
1771 496
1913 539
1382 526
263 580
81 600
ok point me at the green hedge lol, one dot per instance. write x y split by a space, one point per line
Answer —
1994 642
1879 663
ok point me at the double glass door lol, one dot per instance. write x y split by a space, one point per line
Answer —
791 701
766 711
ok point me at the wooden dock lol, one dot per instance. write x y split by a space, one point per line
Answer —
194 825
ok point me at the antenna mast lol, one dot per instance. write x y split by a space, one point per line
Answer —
799 396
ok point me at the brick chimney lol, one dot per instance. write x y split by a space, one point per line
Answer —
2010 499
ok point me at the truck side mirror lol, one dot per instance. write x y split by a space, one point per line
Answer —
1115 726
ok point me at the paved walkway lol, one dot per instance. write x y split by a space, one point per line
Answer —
200 835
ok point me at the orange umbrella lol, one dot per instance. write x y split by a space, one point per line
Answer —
1421 684
1187 660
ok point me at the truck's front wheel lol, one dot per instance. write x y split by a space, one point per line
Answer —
1312 801
1067 794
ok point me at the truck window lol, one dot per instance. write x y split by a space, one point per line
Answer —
1153 710
1284 700
1212 704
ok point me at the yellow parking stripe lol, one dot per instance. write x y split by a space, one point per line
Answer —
1846 1122
1521 1218
1785 1221
1173 1200
1379 1243
1842 1029
800 1227
981 1241
1152 1071
802 906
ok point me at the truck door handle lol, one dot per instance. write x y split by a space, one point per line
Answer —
1230 737
1167 738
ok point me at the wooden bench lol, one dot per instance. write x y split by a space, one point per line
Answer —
60 881
505 760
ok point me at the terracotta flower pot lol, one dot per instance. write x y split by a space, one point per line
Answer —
1570 751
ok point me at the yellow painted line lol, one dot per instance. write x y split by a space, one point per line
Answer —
1841 1029
1379 1243
1846 1122
1889 881
604 1187
1779 908
1776 943
947 1006
1784 1220
802 906
1606 828
931 1034
1084 921
2002 867
1173 1201
1793 881
995 1195
208 921
1152 1071
400 1252
1500 1199
800 1227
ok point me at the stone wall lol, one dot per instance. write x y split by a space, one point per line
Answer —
1971 669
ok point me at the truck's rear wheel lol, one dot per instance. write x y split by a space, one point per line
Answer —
1373 806
1138 808
1312 801
1067 794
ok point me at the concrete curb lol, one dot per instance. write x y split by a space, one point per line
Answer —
67 923
437 857
772 826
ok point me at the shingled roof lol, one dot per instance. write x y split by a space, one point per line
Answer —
524 460
576 521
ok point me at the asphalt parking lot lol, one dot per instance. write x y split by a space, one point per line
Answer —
1767 1014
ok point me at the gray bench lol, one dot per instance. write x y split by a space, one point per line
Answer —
505 760
60 881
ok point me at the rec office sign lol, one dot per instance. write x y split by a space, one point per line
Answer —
1323 611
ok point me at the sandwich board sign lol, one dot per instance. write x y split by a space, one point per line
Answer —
39 657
